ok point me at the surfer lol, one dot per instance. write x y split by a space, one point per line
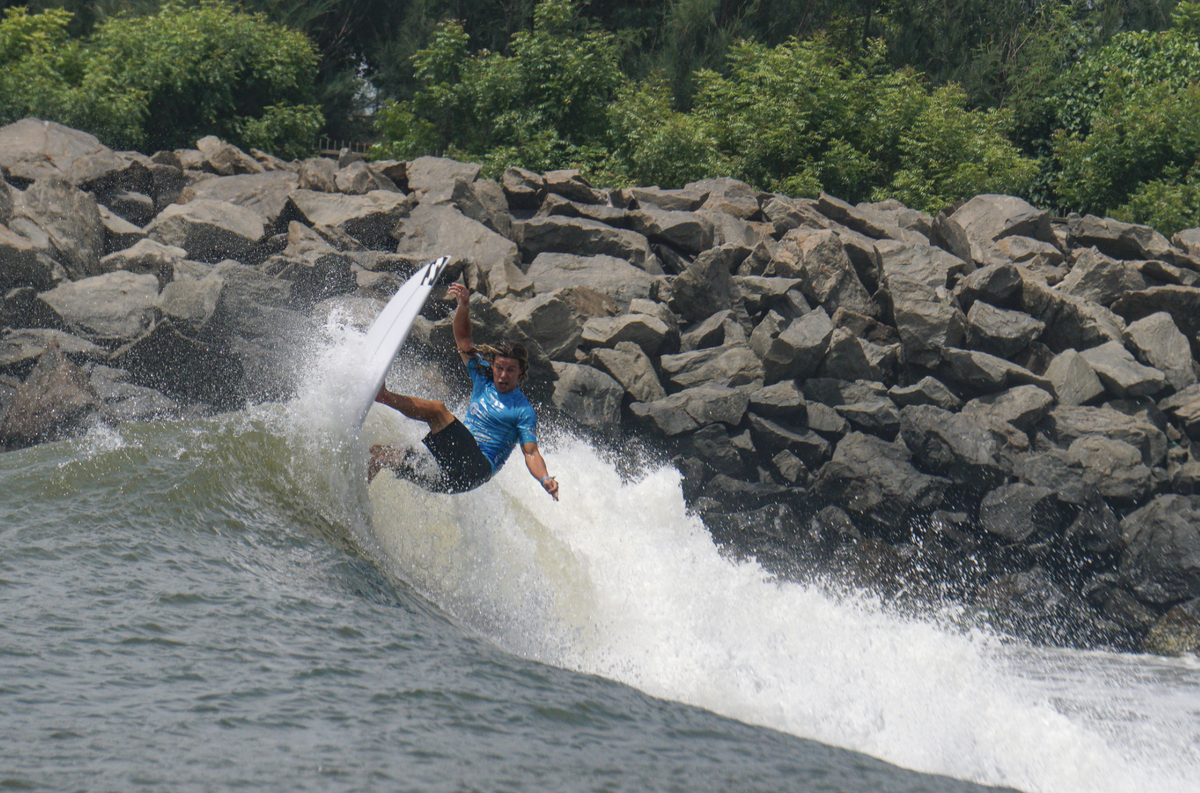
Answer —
469 452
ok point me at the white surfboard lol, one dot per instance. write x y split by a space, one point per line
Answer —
387 335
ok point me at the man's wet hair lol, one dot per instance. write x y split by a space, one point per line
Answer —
507 349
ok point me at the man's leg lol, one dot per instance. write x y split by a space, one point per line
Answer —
430 411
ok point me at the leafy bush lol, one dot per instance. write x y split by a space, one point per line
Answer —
163 80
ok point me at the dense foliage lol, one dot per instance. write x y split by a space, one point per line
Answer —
1081 105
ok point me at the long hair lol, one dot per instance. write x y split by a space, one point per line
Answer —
506 349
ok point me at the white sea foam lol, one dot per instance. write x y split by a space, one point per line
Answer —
617 580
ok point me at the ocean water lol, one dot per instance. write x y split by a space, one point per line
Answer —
225 603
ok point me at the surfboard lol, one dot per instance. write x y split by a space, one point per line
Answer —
387 335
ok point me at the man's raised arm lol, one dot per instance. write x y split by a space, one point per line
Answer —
462 321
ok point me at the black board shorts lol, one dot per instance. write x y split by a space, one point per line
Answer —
464 466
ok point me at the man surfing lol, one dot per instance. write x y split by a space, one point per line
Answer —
469 452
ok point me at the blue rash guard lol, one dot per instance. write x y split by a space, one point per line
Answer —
497 421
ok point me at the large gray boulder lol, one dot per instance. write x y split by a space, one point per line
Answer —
997 284
1123 376
706 286
987 374
999 331
1017 512
1117 239
607 275
927 320
572 185
1072 378
481 200
54 400
953 445
644 330
32 149
21 308
359 178
791 350
70 218
553 321
987 218
1184 408
210 231
726 195
112 307
852 358
225 159
926 391
1161 562
265 194
582 237
1065 424
685 231
818 259
425 173
146 256
864 219
523 189
922 263
587 395
1100 279
774 437
730 365
693 408
433 230
24 263
632 368
1157 342
875 480
20 349
369 219
1181 302
1079 324
1021 407
315 269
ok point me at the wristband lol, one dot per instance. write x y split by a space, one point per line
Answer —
544 478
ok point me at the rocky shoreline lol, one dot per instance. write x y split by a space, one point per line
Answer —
992 407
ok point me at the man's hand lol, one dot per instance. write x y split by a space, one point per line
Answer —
460 293
551 487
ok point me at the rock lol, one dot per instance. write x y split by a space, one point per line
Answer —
762 293
791 468
772 437
926 391
368 219
1184 408
315 270
817 258
135 208
226 159
686 231
1065 424
54 400
23 263
1159 344
1023 407
317 173
713 445
731 365
1161 561
31 150
825 421
780 400
948 235
570 184
209 231
851 358
720 328
689 199
358 178
1080 324
987 218
482 201
20 348
1121 374
265 194
1032 254
999 331
693 408
726 195
71 220
119 233
1111 466
588 396
795 351
986 373
706 286
630 366
873 479
1177 632
1098 278
835 393
425 173
21 308
1017 512
1072 378
166 360
1096 529
874 417
607 275
785 214
1119 240
553 322
433 230
123 401
922 263
1181 302
952 445
147 256
582 237
864 220
997 284
729 230
645 331
927 320
523 189
112 307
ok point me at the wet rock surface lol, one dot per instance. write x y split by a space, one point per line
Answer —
988 404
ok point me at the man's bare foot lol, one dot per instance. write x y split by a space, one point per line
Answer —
384 457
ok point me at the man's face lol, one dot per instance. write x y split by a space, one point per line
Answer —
506 373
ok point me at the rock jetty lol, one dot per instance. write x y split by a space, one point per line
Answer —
991 406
